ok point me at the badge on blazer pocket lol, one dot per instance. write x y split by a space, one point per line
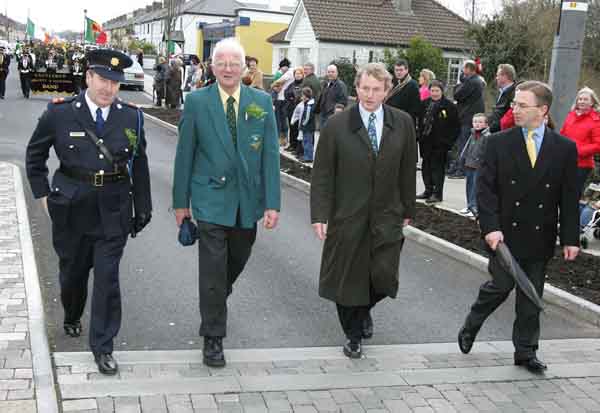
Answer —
256 142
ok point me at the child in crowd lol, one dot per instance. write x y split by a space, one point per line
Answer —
472 156
307 124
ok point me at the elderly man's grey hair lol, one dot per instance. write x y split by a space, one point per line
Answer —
230 44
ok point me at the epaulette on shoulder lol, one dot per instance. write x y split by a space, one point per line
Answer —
60 100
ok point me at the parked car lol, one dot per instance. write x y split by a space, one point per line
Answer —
134 76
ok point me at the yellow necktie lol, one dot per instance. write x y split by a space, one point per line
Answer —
531 150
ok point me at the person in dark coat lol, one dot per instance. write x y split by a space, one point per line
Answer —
362 196
140 58
4 69
505 80
25 67
93 195
293 96
468 95
438 130
161 73
526 186
405 94
174 81
333 92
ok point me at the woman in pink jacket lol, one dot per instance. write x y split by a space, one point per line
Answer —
582 125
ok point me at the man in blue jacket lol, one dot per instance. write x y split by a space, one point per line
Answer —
227 167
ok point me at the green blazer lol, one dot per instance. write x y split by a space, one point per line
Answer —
211 174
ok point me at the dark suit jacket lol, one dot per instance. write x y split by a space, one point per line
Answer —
525 203
364 199
407 99
5 66
502 106
337 93
469 98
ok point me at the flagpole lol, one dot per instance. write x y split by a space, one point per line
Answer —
84 26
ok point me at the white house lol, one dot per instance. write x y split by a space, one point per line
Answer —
360 30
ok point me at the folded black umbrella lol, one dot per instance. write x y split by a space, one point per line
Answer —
511 265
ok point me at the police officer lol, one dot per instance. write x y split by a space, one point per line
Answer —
25 66
4 69
100 143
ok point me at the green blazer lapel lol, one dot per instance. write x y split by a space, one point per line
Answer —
220 121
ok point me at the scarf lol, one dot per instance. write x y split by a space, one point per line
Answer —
396 89
430 113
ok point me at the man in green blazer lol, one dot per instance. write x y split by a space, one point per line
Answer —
227 168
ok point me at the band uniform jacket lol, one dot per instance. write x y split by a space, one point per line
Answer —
219 179
4 66
527 203
79 204
25 69
364 198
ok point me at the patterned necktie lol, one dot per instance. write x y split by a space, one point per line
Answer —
99 123
531 149
372 132
231 122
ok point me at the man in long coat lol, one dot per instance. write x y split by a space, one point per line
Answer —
362 195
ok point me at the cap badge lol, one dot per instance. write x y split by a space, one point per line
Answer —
114 61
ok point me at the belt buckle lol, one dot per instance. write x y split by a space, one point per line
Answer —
98 179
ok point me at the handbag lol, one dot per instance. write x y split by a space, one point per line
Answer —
188 233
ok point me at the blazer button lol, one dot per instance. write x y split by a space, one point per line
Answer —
517 203
547 185
514 224
71 146
537 227
540 206
101 156
126 150
513 182
223 179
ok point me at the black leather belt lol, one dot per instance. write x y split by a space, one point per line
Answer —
97 179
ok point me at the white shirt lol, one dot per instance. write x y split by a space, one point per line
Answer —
364 114
93 107
287 78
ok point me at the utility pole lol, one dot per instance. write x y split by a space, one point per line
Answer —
473 12
566 57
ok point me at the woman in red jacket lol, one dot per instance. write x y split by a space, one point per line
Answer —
582 125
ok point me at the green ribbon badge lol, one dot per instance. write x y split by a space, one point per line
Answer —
131 137
255 111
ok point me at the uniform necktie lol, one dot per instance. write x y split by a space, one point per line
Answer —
99 123
372 133
531 149
231 121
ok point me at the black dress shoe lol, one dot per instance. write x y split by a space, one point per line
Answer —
466 339
424 195
353 349
367 327
106 364
434 199
213 352
73 329
532 364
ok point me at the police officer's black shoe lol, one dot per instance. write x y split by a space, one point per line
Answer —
353 349
466 338
367 327
106 364
213 352
533 364
73 329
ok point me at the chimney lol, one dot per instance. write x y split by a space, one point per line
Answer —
402 6
149 9
157 5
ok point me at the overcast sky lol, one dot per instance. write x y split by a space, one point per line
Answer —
59 15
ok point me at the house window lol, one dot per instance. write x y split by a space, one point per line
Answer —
454 66
303 55
283 53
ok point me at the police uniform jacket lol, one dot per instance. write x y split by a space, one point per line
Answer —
80 205
527 203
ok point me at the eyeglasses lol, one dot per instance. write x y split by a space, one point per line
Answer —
232 65
522 106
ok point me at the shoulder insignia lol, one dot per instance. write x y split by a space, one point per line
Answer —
129 104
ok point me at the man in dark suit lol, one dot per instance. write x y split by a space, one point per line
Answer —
405 93
4 69
334 93
362 195
526 182
227 169
505 80
25 67
103 177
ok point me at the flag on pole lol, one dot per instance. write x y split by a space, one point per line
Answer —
30 28
92 30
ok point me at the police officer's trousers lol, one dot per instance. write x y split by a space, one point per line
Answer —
78 253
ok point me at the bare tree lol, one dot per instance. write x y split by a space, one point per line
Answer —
172 12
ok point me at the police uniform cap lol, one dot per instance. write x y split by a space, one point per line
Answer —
109 64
